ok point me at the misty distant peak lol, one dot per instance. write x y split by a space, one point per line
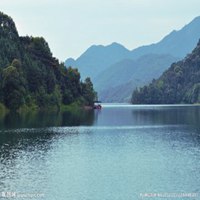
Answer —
95 46
195 20
116 45
70 62
100 51
112 45
177 43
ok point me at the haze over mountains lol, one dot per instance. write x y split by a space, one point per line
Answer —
97 58
137 72
117 71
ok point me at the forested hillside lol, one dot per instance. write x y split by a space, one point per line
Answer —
30 76
179 84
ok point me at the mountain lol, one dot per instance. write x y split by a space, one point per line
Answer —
31 78
121 93
97 58
128 74
99 62
177 43
179 84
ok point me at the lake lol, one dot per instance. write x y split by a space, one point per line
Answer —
122 152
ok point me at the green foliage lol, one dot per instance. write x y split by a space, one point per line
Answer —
88 92
13 87
3 110
9 41
31 77
179 84
16 63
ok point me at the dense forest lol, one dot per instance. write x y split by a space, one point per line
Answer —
30 76
179 84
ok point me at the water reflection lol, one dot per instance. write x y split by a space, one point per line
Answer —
148 115
188 115
47 119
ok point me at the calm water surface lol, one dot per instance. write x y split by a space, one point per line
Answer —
117 153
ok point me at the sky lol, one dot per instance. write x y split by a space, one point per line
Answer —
72 26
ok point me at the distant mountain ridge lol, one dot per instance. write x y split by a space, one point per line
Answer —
134 73
102 63
177 43
134 69
97 58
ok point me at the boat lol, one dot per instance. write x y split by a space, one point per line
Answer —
97 105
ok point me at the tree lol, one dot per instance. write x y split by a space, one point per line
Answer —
13 88
88 92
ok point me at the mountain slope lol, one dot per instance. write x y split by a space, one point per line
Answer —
179 84
126 75
97 58
31 77
121 93
177 43
145 68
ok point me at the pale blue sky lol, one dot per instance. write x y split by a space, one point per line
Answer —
71 26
